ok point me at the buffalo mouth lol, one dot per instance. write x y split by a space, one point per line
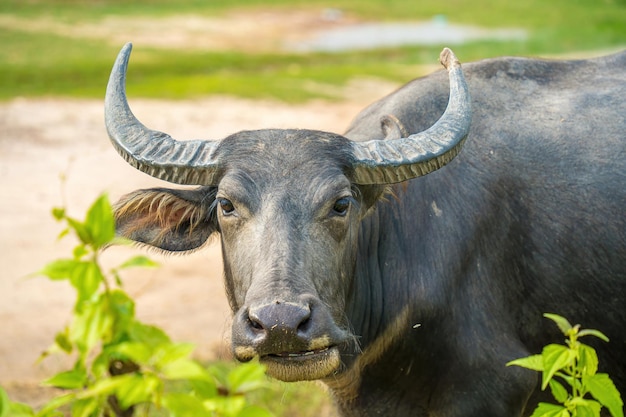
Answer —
303 365
295 340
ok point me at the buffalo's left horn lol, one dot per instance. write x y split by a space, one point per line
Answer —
150 151
397 160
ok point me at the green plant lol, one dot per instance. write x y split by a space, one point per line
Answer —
122 365
575 365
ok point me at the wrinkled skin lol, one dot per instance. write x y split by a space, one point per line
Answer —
409 301
289 250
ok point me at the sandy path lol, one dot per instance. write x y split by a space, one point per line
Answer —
42 139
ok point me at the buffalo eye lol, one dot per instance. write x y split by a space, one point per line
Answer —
341 206
226 206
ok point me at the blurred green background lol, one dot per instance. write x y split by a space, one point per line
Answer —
44 53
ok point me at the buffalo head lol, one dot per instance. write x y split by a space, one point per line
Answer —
288 206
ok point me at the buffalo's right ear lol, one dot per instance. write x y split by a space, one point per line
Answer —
173 220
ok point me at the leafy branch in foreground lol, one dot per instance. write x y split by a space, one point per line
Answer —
575 365
122 365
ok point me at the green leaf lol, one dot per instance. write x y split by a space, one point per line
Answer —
135 351
59 269
184 405
122 308
226 406
588 359
79 252
603 389
534 362
117 277
56 403
220 373
5 404
171 352
573 382
80 230
86 278
185 369
558 391
58 213
586 408
85 407
550 410
247 377
104 387
561 322
101 363
77 275
92 322
591 332
555 358
254 411
100 221
147 334
68 380
204 389
14 409
62 340
137 389
139 261
22 410
63 233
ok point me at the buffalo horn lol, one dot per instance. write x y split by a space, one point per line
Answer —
375 162
397 160
155 153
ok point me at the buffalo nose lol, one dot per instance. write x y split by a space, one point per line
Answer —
281 319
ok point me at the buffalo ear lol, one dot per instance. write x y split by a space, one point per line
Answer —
393 128
173 220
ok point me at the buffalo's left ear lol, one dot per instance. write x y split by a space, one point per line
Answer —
173 220
393 128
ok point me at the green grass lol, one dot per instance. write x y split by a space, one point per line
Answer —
38 63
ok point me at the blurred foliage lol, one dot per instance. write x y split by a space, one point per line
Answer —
39 63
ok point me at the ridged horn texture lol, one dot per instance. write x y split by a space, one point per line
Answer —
150 151
397 160
375 162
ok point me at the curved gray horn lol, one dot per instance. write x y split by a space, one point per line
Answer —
396 160
150 151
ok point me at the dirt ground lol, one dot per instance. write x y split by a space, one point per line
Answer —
42 141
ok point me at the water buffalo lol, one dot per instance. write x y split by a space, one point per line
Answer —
407 296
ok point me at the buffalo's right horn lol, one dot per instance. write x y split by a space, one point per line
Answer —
155 153
397 160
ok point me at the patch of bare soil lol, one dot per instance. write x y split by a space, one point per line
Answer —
42 140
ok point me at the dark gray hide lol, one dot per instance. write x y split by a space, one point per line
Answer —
423 291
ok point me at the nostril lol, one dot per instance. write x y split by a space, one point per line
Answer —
304 325
255 325
279 318
254 322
